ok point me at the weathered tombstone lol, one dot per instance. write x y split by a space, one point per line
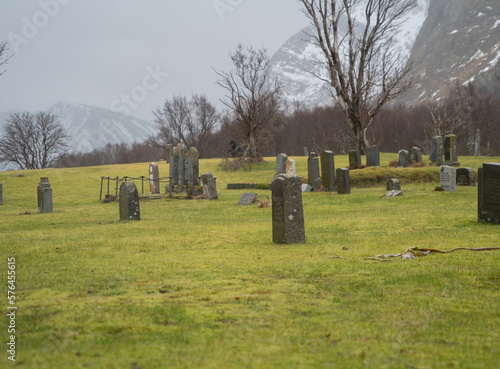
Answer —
448 178
354 159
306 187
44 196
466 177
129 202
174 166
183 163
154 178
313 176
247 199
290 166
477 143
343 184
489 193
436 155
287 210
450 150
1 195
306 152
281 163
415 155
328 171
404 158
393 184
209 186
373 156
168 153
193 167
393 193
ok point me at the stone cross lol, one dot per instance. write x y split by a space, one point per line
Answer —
313 176
44 196
466 177
281 163
450 150
328 171
343 184
209 186
393 184
489 193
448 178
154 178
404 158
477 144
287 210
373 156
290 166
129 202
354 159
436 155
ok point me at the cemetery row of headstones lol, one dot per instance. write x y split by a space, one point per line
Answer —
451 177
184 169
450 151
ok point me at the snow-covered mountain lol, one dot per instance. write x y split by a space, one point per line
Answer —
298 61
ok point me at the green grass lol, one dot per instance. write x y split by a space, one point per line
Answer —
199 284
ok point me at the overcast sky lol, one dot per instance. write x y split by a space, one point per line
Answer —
129 55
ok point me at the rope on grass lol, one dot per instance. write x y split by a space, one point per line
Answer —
414 252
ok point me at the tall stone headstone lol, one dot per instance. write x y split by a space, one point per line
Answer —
313 176
287 210
436 155
477 143
448 178
174 165
44 196
373 156
415 155
281 163
154 178
193 167
466 177
183 164
404 158
290 166
1 195
168 153
328 171
450 150
393 184
354 159
209 186
489 193
343 183
129 202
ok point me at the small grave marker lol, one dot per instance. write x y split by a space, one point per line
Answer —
466 177
209 186
281 163
436 155
247 199
448 178
343 184
313 176
393 184
129 202
404 158
154 178
354 159
373 156
44 196
328 171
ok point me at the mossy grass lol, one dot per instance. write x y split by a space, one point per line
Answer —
199 284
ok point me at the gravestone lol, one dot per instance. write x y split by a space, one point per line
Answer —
313 176
450 150
436 155
168 153
489 193
290 166
373 156
247 199
306 152
466 177
354 159
404 158
281 163
448 178
393 193
209 186
415 155
306 187
393 184
44 196
129 202
1 195
154 178
287 210
328 171
193 167
477 143
343 184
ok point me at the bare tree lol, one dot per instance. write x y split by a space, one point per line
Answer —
32 141
252 95
186 122
3 57
364 72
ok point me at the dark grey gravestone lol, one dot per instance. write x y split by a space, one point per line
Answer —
477 143
287 210
448 178
44 196
328 171
306 152
415 155
436 155
354 159
313 176
209 186
281 163
343 184
466 177
373 156
247 199
1 194
404 158
129 202
393 184
489 193
194 166
154 178
450 150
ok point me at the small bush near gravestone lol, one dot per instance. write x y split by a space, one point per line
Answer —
262 186
439 188
418 165
394 163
